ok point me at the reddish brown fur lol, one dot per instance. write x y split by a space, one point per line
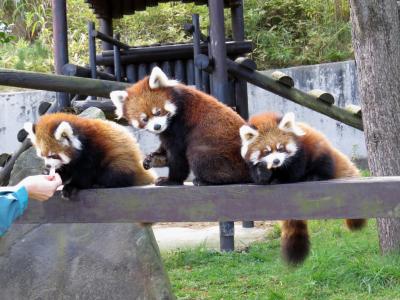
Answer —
214 127
294 236
121 149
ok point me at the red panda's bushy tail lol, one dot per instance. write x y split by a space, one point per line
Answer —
295 241
356 224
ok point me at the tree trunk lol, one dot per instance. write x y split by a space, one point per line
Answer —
376 42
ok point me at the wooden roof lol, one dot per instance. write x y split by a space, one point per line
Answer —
119 8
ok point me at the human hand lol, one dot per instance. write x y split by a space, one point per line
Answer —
41 187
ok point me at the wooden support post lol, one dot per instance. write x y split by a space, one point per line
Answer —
219 89
189 72
60 36
131 73
92 52
106 28
196 50
240 86
117 59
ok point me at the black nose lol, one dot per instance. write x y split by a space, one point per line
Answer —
157 127
276 161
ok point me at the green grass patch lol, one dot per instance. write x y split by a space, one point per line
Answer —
342 265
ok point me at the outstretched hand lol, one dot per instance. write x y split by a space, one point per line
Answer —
41 187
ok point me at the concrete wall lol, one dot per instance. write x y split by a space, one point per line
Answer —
339 79
16 109
336 78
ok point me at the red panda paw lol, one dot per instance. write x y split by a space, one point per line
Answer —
69 192
165 181
154 161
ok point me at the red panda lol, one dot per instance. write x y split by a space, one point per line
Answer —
88 153
196 131
280 150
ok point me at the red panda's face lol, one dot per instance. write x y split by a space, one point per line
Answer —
147 104
270 145
55 143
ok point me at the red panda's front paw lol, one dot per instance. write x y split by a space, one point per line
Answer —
69 192
154 161
164 181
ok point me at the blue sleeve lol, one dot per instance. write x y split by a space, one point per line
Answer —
12 205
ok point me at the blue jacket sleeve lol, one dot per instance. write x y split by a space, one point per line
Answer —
12 205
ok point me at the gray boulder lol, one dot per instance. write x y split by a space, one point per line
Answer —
79 261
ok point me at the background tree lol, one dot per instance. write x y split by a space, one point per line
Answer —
376 42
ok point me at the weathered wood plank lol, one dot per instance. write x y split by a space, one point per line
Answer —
60 83
355 198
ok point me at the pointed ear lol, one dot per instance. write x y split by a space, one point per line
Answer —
158 79
64 131
288 124
118 98
30 129
247 134
65 134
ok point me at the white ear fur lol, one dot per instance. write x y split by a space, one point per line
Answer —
118 98
247 134
158 79
288 124
63 130
28 127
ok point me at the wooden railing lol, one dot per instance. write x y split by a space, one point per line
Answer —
350 198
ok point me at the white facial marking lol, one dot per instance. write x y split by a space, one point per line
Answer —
157 124
275 159
65 159
143 116
288 124
55 163
155 110
158 79
247 135
170 107
291 148
254 157
135 123
118 98
268 148
65 135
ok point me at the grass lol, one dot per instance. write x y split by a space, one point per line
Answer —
342 265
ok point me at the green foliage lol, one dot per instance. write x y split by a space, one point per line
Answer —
5 36
284 32
342 265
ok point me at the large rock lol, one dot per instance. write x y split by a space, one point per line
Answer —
79 261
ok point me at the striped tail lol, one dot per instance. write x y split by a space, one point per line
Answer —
295 242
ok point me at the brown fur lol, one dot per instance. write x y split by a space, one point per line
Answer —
294 237
121 149
214 129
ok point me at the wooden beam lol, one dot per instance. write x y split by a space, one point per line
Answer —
60 83
293 94
351 198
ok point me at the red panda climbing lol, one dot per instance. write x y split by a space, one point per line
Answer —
88 153
280 150
196 131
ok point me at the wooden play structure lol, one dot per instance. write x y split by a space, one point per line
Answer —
216 66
